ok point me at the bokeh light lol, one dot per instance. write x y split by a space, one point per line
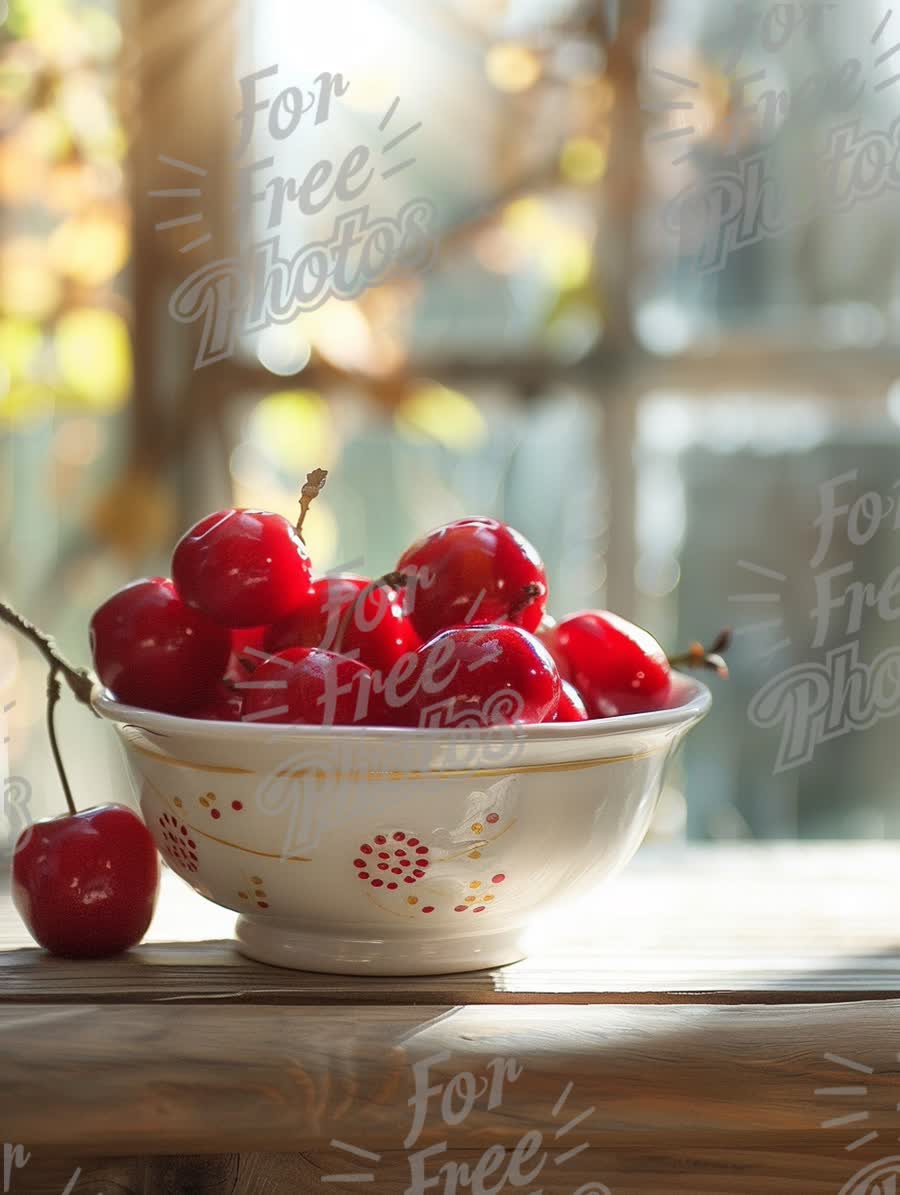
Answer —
28 287
282 349
583 160
93 355
90 248
293 427
447 416
64 338
512 67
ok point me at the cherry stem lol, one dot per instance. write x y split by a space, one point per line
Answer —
388 581
52 699
315 482
529 594
711 658
79 680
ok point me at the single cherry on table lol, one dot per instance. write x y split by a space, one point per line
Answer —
85 883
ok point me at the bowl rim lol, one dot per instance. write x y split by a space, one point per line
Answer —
696 705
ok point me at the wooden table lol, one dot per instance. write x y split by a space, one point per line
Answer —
716 1020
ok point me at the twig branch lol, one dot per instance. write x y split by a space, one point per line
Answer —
79 680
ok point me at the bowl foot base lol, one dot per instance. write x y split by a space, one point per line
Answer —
285 945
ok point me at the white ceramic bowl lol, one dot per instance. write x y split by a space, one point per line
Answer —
396 852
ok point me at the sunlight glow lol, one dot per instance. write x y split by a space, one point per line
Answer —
512 67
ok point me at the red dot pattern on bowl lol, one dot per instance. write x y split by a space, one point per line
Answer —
409 862
208 802
178 846
395 862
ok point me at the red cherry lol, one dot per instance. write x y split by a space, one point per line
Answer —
245 568
309 686
152 650
243 638
475 676
85 884
473 571
571 705
316 621
378 633
617 667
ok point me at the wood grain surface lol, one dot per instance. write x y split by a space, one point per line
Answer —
595 1172
123 1079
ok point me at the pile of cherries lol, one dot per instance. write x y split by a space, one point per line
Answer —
456 635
